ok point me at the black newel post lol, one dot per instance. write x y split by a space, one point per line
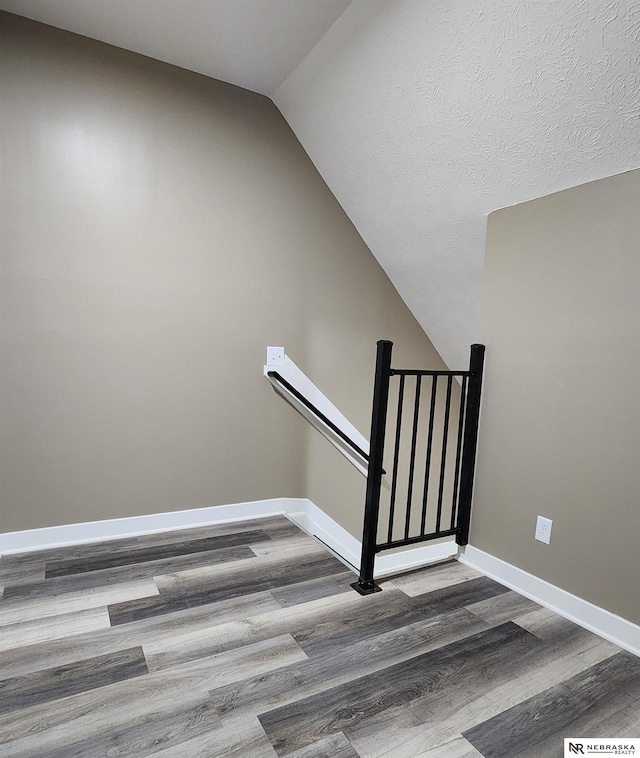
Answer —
472 415
365 584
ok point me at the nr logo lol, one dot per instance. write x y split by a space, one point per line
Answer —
577 748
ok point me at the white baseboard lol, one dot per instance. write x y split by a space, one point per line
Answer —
300 511
316 522
409 560
614 628
135 526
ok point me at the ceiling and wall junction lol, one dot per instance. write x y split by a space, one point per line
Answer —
422 117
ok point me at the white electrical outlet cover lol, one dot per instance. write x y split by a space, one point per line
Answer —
543 529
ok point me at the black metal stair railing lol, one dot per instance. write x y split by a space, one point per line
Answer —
320 415
446 436
310 406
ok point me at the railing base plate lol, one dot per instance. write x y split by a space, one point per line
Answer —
366 588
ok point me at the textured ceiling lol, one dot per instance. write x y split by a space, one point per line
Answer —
252 43
423 117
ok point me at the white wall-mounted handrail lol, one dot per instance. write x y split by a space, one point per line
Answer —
315 406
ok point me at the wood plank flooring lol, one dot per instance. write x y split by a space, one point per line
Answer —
246 641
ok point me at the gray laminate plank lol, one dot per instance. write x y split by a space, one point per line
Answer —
52 628
462 594
20 661
135 610
515 678
440 672
624 722
62 681
346 663
273 526
140 737
279 527
159 688
335 746
193 644
296 543
246 655
14 576
202 590
546 624
559 659
382 612
456 747
538 725
409 743
431 728
134 703
152 553
315 589
248 571
86 714
13 611
256 659
398 610
239 738
318 618
432 578
127 573
21 561
506 607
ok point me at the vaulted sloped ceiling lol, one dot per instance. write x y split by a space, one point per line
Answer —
422 116
252 43
425 116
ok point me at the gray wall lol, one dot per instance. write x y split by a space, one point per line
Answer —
159 230
560 429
